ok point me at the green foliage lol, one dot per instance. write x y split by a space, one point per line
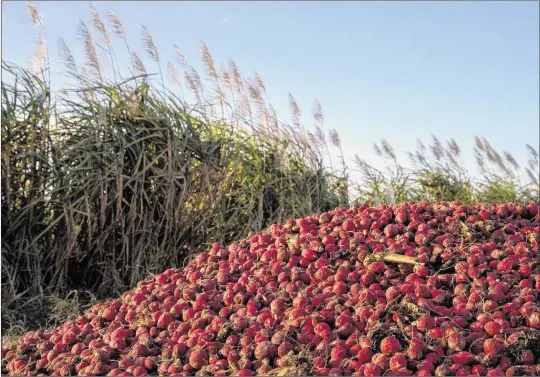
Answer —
438 176
499 192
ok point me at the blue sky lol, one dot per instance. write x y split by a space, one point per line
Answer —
394 70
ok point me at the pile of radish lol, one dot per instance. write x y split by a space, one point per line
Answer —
413 289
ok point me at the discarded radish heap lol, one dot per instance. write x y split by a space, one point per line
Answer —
407 290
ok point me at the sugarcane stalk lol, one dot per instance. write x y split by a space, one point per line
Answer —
392 258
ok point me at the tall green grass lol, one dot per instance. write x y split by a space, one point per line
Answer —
120 176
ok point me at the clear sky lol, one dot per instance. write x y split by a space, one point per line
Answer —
398 70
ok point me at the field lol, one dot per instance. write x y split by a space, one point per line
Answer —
120 177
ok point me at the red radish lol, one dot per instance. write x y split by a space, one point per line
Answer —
425 322
398 361
457 342
198 358
493 328
492 346
265 349
371 370
365 355
526 357
309 287
495 372
390 345
463 357
381 361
